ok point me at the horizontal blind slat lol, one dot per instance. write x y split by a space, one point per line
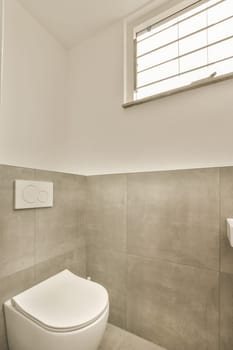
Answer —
185 72
186 54
184 37
175 24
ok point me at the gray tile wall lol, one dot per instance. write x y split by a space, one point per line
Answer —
107 239
157 241
37 243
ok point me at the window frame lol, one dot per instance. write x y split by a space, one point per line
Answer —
149 15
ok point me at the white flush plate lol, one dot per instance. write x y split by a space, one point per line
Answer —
33 194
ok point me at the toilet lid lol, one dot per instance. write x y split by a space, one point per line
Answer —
64 302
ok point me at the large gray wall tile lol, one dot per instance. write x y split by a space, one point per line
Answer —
106 224
172 305
109 268
16 226
226 190
174 216
106 212
226 311
60 229
75 261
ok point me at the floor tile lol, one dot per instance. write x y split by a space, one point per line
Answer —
118 339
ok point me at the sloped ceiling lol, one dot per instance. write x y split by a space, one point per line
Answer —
71 21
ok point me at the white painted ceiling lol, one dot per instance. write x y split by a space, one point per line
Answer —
71 21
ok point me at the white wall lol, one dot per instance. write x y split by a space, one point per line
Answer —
192 129
34 119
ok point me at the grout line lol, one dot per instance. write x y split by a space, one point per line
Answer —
35 235
127 261
155 259
172 262
126 214
84 228
220 259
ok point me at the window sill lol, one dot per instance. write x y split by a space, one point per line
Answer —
195 85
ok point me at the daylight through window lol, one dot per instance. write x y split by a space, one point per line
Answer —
189 46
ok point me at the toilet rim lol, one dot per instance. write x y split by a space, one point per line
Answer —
61 329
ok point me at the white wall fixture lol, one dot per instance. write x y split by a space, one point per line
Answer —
230 231
33 194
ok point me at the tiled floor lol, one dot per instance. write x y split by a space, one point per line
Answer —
117 339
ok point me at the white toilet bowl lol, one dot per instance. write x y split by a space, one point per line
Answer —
65 312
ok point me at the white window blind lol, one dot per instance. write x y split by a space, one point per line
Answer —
188 46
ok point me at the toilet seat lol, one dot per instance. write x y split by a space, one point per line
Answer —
63 303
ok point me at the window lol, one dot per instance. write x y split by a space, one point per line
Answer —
187 47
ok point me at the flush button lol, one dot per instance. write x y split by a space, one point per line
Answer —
43 196
30 194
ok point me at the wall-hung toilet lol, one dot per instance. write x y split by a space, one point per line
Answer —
65 312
